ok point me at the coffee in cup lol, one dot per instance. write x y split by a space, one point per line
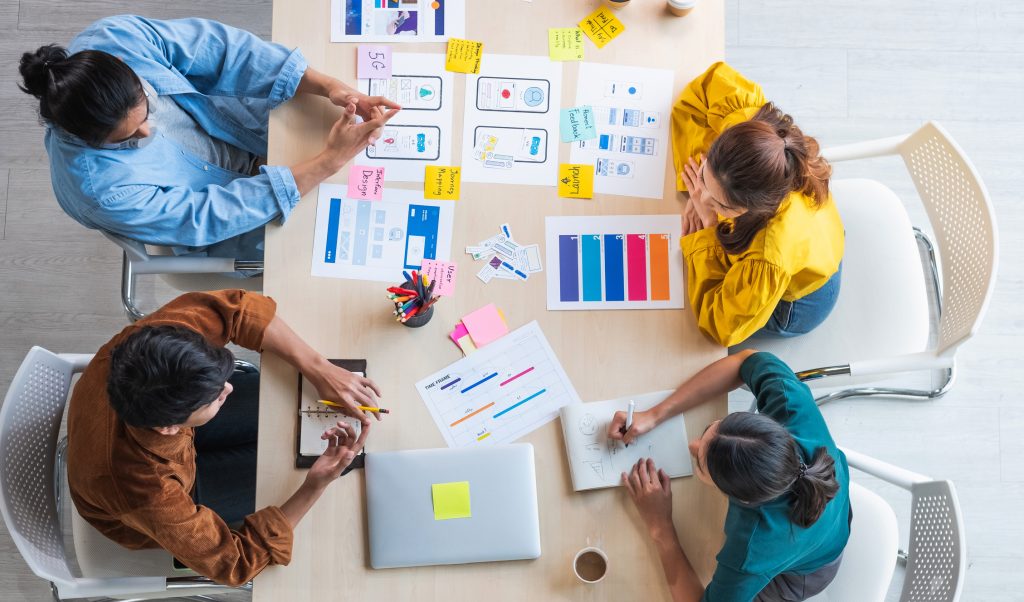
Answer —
590 565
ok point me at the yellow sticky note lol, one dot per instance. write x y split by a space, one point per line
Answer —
463 56
451 500
565 43
442 182
466 344
602 27
576 181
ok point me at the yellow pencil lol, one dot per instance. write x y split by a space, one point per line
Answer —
363 408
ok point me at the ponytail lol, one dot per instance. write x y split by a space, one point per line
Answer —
88 93
814 486
754 459
758 163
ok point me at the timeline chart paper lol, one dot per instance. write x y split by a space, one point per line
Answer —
499 393
614 262
631 115
377 240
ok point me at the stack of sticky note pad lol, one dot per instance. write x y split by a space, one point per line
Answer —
505 257
479 328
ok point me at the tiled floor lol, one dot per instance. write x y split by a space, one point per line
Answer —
847 70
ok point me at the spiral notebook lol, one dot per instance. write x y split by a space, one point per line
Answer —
315 418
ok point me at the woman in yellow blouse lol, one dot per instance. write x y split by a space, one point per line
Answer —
762 239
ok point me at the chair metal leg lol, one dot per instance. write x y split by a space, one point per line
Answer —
128 290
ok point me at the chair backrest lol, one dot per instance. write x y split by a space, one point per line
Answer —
937 556
964 224
29 427
869 558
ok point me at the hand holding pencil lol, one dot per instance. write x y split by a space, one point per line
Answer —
349 392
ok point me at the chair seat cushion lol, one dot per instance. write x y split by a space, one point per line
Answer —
882 310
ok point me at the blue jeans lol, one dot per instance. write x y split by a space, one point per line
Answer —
793 318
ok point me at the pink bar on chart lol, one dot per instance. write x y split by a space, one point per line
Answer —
636 264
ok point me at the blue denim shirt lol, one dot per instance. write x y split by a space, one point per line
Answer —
155 191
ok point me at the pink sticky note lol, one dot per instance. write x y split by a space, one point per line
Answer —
459 332
485 325
441 272
374 62
365 182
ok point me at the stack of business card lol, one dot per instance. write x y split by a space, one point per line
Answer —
505 258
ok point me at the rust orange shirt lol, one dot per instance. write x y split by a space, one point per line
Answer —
134 484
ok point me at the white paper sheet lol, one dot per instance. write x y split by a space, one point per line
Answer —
421 133
631 108
376 240
510 134
499 393
614 262
397 20
595 461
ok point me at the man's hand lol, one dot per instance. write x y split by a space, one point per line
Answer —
650 489
348 138
343 96
643 422
347 389
342 447
703 215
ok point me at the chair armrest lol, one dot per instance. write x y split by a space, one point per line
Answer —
912 362
89 587
169 264
863 150
900 477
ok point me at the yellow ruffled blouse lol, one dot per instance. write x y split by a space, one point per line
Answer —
733 296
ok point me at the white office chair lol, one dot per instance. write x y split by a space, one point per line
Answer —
31 478
936 559
880 325
184 273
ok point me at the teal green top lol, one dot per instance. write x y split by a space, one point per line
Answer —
761 542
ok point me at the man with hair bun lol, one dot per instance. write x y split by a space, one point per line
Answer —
157 131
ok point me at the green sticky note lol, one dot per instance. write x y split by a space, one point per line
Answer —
451 500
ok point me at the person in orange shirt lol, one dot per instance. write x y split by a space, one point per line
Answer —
762 240
162 435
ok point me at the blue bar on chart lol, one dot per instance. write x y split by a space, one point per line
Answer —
591 244
330 253
614 275
568 266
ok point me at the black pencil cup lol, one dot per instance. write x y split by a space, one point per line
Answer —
421 317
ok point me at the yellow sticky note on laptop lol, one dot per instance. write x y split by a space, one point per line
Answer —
565 43
442 182
451 500
576 181
602 27
463 56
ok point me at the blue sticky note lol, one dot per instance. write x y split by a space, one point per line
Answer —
577 123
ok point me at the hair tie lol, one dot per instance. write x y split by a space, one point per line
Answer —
803 471
46 64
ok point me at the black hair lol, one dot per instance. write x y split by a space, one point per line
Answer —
754 459
88 93
159 375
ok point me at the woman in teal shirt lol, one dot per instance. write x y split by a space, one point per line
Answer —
787 482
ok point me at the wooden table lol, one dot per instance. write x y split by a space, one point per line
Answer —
606 354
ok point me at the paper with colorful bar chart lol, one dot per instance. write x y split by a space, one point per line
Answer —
614 262
499 393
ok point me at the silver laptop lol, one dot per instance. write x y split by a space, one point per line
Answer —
503 503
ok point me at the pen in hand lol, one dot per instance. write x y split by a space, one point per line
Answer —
629 418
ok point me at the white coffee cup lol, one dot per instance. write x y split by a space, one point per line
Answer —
590 565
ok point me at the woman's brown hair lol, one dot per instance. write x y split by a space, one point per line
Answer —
758 163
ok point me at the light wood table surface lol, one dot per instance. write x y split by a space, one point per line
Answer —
605 353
